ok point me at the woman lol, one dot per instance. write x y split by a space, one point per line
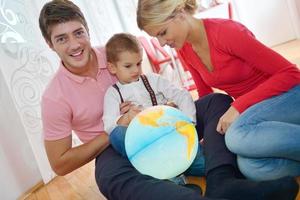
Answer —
262 125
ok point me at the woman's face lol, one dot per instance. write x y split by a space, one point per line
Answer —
173 32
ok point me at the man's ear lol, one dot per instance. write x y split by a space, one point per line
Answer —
111 68
50 44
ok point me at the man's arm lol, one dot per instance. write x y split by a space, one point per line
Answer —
64 158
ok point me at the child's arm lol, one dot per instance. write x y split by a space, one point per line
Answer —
111 109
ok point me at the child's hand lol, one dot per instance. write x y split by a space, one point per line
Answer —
133 111
172 104
125 106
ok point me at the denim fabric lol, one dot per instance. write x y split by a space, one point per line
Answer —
118 180
266 137
117 139
197 168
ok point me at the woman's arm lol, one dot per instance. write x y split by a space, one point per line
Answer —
241 43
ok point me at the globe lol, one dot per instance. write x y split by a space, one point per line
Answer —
161 142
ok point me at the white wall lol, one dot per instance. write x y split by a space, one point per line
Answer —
219 11
298 8
272 21
26 67
19 170
27 64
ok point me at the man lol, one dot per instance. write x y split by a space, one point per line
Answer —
74 101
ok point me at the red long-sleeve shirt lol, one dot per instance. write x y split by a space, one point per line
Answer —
242 66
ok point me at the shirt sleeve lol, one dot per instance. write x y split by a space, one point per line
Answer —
111 110
202 88
240 42
56 119
179 96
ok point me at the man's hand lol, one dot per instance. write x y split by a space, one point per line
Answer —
226 120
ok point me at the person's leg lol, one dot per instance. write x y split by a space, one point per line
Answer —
118 180
197 168
267 168
209 109
268 129
117 139
223 177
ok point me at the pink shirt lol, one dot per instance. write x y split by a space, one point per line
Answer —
243 67
72 102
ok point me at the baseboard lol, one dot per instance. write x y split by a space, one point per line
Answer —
31 190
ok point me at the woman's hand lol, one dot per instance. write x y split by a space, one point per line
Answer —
226 120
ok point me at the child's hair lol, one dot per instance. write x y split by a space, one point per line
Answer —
156 12
56 12
121 42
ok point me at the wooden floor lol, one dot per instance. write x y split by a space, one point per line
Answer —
81 185
78 185
290 50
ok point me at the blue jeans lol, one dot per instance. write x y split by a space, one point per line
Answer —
266 137
117 140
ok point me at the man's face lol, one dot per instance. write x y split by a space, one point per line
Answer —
70 40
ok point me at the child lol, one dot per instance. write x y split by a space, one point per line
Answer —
124 59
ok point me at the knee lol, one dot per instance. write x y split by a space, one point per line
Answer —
219 102
238 140
258 169
217 98
118 134
212 105
220 98
232 140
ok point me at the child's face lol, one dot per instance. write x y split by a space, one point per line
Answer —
129 67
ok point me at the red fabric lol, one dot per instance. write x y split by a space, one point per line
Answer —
242 66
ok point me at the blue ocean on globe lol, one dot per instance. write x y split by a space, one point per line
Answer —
161 142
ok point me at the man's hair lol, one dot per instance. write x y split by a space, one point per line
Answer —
121 42
56 12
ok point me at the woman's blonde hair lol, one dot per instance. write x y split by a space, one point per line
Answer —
156 12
